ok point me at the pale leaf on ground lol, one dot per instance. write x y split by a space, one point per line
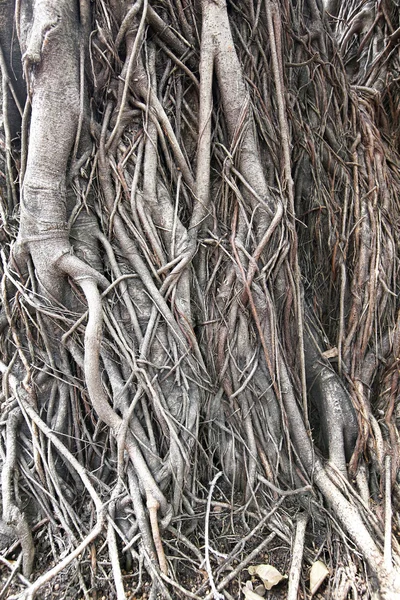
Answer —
250 595
319 572
269 575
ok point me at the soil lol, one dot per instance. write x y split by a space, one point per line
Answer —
66 586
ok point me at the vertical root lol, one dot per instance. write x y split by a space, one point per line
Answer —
153 507
112 546
12 514
297 557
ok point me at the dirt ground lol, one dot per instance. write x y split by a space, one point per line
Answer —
94 575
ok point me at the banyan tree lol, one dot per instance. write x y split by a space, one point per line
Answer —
199 327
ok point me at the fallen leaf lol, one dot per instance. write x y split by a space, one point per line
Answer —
268 574
331 353
250 595
260 589
319 572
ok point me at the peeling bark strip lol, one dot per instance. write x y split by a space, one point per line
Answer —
154 332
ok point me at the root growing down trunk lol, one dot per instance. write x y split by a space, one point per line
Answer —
199 284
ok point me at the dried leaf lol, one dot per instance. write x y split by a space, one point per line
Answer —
268 574
331 353
319 572
260 589
250 595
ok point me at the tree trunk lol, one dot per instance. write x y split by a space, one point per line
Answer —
199 283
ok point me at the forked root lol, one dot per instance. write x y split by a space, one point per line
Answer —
156 314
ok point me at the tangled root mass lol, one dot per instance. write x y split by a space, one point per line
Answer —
199 327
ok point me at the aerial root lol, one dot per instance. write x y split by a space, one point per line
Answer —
12 514
153 507
215 593
112 544
388 515
297 557
184 350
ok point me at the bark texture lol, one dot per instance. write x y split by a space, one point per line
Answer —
199 284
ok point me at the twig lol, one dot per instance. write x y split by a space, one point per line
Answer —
242 565
30 593
215 594
297 557
387 552
176 585
302 490
153 507
13 573
10 566
112 544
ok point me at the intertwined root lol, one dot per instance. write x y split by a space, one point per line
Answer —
202 288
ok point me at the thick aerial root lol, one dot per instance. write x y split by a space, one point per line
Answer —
154 305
